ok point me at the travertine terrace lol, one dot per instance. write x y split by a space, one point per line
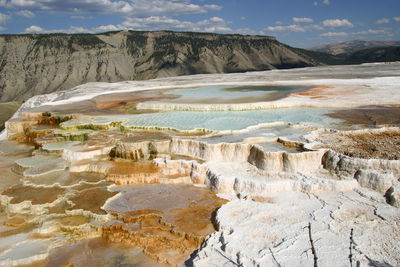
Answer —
140 173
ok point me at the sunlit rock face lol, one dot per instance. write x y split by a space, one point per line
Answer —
110 177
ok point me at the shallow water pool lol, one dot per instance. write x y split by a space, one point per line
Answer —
229 120
228 94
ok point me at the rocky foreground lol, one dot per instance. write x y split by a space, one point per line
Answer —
81 188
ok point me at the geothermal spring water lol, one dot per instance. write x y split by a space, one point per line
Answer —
278 168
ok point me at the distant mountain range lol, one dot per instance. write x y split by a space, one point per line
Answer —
352 46
355 52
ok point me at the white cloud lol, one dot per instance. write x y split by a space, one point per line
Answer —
72 29
213 7
158 23
324 2
153 23
302 20
214 24
292 28
335 23
81 17
397 19
34 29
382 21
247 31
25 13
333 34
4 18
373 32
242 18
137 7
315 27
107 28
295 28
221 29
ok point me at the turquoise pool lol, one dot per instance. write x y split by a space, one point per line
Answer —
228 94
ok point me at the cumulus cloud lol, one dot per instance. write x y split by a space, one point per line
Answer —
295 28
315 27
302 20
334 34
397 19
108 28
214 24
72 29
292 28
81 17
382 21
137 7
25 13
336 23
213 7
307 25
157 23
373 32
324 2
4 18
34 29
247 31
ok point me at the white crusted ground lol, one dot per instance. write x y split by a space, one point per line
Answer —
276 233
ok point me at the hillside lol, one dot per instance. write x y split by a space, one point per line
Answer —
376 54
368 55
42 63
352 46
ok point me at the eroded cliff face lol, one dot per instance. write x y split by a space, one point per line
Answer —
39 64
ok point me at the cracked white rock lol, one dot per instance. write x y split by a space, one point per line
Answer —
275 233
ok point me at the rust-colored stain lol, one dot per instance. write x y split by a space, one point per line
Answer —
325 92
74 220
91 199
381 144
370 116
37 195
168 235
131 172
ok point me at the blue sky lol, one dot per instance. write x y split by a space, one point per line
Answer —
301 23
